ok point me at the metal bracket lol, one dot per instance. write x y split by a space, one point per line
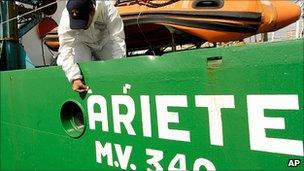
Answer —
9 39
36 18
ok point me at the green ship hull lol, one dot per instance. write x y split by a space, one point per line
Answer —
232 108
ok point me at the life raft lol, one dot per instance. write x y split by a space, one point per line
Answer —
155 23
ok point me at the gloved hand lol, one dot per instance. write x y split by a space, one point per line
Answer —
78 86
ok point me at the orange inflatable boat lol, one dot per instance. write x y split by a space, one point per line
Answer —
158 23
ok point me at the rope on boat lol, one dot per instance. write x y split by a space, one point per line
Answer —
142 32
162 4
148 3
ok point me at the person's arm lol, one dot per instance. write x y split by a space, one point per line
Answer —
67 40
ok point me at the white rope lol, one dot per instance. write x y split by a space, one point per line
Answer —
27 13
141 31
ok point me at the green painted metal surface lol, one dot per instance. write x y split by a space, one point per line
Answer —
256 89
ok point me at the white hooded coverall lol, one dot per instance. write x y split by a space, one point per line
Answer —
103 40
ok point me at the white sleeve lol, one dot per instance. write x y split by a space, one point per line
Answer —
67 40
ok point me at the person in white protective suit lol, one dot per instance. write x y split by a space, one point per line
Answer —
88 31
